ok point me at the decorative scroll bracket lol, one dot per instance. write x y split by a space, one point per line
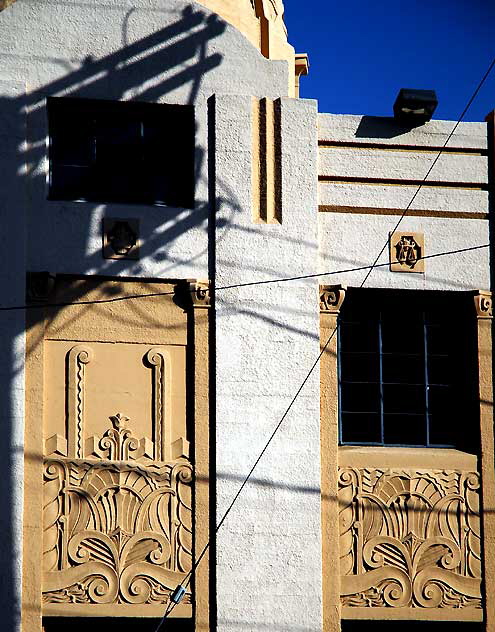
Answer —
483 304
200 294
331 298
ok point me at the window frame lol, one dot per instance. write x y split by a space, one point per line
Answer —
454 301
152 176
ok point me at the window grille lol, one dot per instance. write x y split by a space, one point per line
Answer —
406 372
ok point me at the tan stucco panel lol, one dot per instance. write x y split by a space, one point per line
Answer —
109 316
415 525
111 505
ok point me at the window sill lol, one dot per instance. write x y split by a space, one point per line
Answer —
428 458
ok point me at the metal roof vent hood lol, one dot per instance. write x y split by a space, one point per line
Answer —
414 107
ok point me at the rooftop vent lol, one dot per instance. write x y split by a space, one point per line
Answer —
414 107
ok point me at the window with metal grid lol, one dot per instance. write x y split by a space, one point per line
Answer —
406 368
124 152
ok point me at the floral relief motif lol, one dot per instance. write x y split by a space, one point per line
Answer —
409 538
115 532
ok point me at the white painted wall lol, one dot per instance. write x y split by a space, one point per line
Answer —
354 239
174 52
269 551
99 50
12 344
267 336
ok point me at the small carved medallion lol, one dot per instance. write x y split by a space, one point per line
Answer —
407 252
120 238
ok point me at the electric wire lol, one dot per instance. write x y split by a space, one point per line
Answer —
322 351
115 299
437 157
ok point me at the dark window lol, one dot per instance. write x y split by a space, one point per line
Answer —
410 626
107 151
115 624
407 368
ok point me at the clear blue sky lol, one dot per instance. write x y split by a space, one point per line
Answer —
362 52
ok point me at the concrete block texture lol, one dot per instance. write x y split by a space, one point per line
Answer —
267 337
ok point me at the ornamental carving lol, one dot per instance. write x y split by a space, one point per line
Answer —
200 294
331 298
78 357
409 538
115 533
116 481
407 251
483 304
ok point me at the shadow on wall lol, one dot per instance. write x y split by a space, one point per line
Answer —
380 127
147 69
180 53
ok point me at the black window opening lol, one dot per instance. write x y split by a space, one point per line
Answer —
408 369
123 152
355 625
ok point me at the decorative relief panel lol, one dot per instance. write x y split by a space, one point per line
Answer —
115 532
409 538
117 517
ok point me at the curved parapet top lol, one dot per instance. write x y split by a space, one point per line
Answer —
262 22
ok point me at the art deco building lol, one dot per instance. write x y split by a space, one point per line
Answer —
183 239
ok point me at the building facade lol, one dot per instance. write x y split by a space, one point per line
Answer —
184 239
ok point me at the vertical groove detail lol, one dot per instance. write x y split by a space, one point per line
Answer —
256 160
277 159
266 161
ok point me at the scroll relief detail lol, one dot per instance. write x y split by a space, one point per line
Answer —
409 538
115 532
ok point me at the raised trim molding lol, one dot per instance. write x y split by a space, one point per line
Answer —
79 356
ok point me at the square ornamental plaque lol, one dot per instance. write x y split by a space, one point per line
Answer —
407 251
120 238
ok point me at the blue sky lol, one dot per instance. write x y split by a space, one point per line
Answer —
361 53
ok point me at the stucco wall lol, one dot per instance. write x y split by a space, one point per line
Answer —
269 560
12 344
267 336
174 52
369 170
269 551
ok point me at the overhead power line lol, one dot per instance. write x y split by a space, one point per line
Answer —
115 299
